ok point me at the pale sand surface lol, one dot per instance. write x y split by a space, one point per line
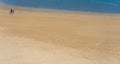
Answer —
59 38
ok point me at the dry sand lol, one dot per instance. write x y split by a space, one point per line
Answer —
55 37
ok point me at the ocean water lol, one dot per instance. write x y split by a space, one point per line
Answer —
102 6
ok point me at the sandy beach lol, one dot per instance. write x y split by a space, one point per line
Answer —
56 37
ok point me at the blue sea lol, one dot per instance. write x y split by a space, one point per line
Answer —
101 6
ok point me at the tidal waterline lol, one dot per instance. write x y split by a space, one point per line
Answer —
102 6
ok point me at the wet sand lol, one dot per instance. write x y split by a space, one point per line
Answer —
55 37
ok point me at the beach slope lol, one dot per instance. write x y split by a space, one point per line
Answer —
55 37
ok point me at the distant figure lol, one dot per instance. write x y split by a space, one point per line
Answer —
11 11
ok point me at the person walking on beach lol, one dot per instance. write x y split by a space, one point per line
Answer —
11 11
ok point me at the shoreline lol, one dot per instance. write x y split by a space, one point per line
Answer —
31 9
